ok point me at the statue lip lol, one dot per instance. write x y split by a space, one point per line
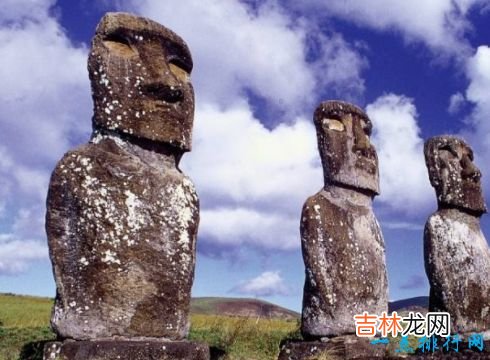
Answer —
163 104
163 92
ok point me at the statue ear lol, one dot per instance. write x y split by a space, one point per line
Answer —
432 161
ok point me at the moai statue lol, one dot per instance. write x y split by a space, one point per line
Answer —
457 256
343 248
122 218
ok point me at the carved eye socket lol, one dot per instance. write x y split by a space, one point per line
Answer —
449 150
334 124
367 127
178 71
119 45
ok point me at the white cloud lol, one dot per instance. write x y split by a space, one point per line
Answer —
477 131
339 64
414 282
263 50
268 283
231 228
256 178
45 94
45 101
252 181
456 102
19 10
479 75
17 254
236 156
404 180
403 225
440 24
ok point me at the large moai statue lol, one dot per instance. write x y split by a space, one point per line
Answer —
342 244
122 218
457 256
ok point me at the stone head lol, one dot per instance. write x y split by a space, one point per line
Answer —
348 158
140 76
453 174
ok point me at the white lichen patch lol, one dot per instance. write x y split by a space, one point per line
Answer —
180 214
134 218
110 257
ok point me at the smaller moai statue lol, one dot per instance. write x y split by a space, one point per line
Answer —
457 256
122 218
343 248
342 244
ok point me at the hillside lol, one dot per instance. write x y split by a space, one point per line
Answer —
419 303
240 307
36 310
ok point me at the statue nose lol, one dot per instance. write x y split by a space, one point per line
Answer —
361 141
161 91
470 171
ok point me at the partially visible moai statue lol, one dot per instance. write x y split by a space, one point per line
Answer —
122 218
343 248
457 256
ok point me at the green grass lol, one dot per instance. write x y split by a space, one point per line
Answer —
24 325
243 338
24 311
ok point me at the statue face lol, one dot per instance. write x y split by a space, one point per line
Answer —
453 174
140 75
348 157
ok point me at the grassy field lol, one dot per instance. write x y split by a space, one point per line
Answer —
24 325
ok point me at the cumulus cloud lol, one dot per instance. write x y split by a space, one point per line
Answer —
477 131
15 11
261 49
229 228
254 177
414 282
45 105
245 172
479 74
268 283
440 24
405 184
456 102
339 64
252 181
16 254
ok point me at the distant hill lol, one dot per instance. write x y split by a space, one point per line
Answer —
240 307
416 304
14 308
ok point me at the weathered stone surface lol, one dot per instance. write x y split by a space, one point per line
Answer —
121 216
125 350
457 256
342 244
139 72
342 347
453 175
348 158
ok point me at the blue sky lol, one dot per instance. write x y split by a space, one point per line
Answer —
419 68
